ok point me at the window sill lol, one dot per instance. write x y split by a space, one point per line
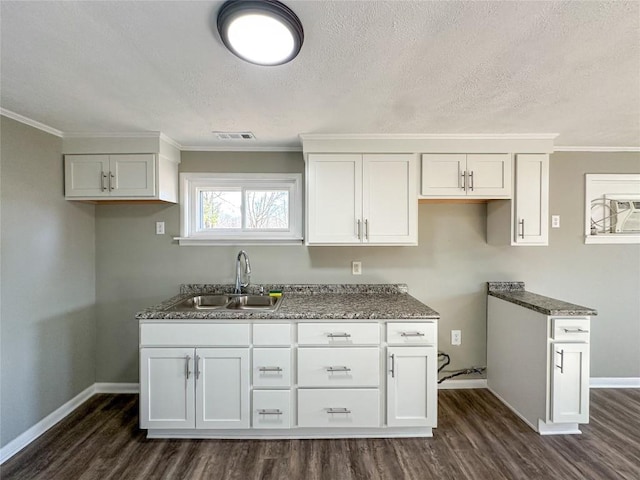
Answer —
215 242
617 238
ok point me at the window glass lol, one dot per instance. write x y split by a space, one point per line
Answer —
267 209
220 209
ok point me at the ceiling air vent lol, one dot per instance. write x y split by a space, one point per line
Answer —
234 136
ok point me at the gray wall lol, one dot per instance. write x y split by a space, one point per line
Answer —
47 326
448 270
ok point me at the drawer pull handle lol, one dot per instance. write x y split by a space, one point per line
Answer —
338 335
412 334
339 410
338 369
269 411
270 369
575 330
561 366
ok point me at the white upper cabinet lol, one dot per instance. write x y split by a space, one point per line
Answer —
361 199
457 175
531 206
120 177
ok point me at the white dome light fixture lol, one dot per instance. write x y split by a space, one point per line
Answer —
262 32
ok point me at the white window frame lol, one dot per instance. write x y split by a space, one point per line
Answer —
191 184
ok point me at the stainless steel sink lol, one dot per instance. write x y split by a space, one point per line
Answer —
227 302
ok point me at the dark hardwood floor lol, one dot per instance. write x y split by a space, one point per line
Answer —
477 438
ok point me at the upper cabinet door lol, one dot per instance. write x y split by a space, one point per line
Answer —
132 175
390 205
531 207
86 175
489 175
442 174
334 199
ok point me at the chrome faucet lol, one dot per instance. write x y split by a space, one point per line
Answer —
247 272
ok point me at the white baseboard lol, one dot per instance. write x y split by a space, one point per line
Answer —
460 384
614 382
117 387
24 439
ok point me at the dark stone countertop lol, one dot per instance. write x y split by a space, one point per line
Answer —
514 292
307 302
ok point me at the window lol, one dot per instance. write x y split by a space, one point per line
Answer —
240 208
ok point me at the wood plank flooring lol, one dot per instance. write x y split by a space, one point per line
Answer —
477 438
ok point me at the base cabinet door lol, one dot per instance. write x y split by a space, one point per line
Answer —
570 383
411 386
167 388
222 388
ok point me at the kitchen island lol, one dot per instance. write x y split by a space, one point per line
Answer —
330 361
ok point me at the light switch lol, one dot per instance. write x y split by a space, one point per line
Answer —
159 228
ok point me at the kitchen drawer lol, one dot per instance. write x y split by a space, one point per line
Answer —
271 367
182 333
338 367
343 333
570 329
271 409
272 334
339 408
411 333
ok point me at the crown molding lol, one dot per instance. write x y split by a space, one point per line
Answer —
170 141
112 134
596 149
32 123
211 148
428 136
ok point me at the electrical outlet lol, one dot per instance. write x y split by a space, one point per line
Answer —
555 221
159 228
356 268
456 337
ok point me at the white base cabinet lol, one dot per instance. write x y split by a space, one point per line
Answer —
298 379
538 365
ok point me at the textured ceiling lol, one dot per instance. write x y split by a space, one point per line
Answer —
571 68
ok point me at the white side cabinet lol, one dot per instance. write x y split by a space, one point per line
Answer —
361 199
120 177
458 175
538 365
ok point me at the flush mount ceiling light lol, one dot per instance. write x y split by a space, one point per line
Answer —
263 32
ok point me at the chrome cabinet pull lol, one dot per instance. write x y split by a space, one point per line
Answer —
561 366
575 330
393 365
471 180
111 177
269 411
103 177
338 410
359 229
338 369
521 222
338 335
464 181
186 367
412 334
197 367
270 369
366 229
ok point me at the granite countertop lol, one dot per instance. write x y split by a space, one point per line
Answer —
323 302
514 292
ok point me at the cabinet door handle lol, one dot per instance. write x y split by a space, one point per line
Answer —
197 367
521 222
366 229
464 181
186 366
412 334
561 366
471 180
269 411
338 335
358 229
339 410
103 177
393 366
111 178
270 369
575 330
338 369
